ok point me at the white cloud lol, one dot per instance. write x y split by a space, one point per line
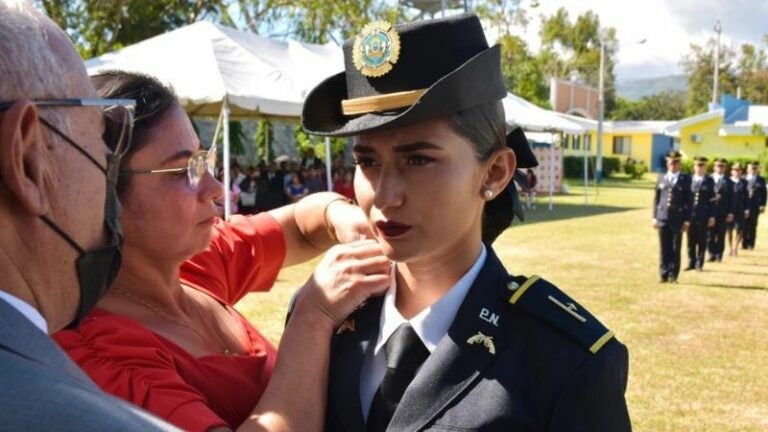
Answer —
669 27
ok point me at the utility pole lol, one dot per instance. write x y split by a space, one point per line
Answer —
601 107
718 30
600 114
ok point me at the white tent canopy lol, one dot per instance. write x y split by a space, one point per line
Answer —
207 64
222 72
520 112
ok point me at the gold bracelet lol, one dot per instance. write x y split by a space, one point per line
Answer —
331 230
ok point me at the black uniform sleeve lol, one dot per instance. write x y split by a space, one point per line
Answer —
593 400
761 189
688 200
656 196
712 209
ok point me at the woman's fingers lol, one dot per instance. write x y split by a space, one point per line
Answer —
371 265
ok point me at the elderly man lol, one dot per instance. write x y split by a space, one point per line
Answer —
60 236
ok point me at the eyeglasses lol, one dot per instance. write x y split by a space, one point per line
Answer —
197 165
700 164
118 126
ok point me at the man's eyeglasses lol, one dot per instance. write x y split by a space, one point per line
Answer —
118 125
197 165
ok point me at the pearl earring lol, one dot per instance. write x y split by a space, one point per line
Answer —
488 194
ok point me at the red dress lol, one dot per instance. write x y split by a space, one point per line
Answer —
130 361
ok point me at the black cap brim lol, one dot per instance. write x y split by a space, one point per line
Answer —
472 81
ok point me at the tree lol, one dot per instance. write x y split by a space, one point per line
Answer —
522 72
98 26
573 47
661 106
314 21
699 67
752 71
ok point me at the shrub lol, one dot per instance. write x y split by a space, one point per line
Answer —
635 168
573 166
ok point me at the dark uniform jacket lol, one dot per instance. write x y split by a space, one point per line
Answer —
722 199
671 204
738 197
756 194
702 192
519 356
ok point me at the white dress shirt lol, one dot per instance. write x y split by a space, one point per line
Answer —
25 309
716 177
672 177
430 325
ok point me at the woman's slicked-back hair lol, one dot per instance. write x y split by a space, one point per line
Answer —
485 128
153 101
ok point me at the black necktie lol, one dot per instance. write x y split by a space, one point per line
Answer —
405 354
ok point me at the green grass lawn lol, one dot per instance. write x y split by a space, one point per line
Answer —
698 349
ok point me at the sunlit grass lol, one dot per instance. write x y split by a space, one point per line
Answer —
698 349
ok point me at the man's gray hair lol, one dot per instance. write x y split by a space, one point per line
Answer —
28 67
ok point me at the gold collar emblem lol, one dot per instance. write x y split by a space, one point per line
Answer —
484 340
376 49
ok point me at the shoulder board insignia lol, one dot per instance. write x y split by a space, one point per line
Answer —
540 298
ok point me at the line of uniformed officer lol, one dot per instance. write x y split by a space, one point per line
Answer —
723 209
671 215
755 204
708 208
702 213
738 187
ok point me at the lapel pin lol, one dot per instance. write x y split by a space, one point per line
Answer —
347 326
487 341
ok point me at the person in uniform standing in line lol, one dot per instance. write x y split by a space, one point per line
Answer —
722 201
702 213
671 215
738 206
756 197
456 343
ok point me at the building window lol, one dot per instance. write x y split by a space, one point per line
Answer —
566 138
622 145
587 142
577 142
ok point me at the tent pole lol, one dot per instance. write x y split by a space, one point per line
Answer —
328 163
586 171
551 170
225 162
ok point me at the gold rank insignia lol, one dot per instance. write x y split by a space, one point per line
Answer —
487 341
376 49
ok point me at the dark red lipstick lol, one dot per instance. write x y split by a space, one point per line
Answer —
392 229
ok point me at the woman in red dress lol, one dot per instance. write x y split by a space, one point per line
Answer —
166 336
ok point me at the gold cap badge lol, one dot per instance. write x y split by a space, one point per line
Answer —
376 49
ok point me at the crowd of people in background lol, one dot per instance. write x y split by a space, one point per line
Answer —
709 209
266 186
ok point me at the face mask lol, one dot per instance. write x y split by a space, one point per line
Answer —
97 269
